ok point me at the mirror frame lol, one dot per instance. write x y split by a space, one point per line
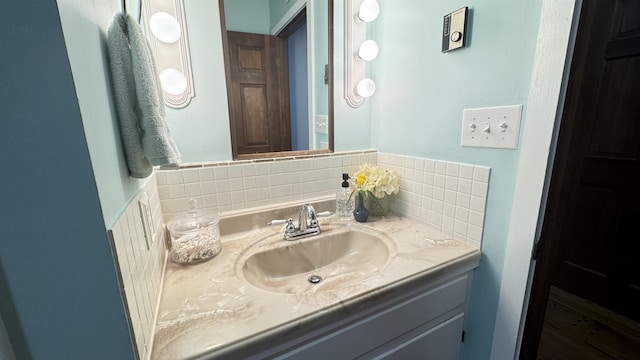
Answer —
330 120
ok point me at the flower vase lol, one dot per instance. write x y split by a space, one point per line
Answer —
361 214
377 206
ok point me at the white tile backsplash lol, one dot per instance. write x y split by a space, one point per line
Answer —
449 196
141 260
452 195
240 185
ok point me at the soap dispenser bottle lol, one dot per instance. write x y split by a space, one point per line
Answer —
344 200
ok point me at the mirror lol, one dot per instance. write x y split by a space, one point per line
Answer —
279 72
132 8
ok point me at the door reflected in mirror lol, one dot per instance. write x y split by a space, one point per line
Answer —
278 64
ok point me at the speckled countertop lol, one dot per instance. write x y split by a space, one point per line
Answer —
210 308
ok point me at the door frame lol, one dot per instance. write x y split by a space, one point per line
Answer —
553 55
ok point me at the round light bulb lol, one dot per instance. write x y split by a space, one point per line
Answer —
366 88
165 27
368 50
369 10
173 81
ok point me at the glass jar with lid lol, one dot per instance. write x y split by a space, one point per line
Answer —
195 236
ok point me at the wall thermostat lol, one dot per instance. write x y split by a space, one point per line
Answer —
454 32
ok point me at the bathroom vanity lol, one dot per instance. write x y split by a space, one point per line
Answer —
389 288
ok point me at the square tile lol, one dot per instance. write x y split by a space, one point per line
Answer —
429 166
248 170
174 177
476 218
222 186
428 178
452 169
221 173
450 197
161 178
464 186
451 183
466 172
438 193
205 174
190 175
437 206
449 210
474 232
192 189
463 200
481 173
207 188
235 171
462 214
262 168
479 189
209 201
460 227
477 204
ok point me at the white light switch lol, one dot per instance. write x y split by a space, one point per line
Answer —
492 127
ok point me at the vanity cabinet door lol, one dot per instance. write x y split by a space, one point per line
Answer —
396 327
441 342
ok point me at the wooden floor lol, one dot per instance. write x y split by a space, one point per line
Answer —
575 328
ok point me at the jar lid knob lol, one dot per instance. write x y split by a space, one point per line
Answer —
192 205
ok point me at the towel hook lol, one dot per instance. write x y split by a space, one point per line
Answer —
124 9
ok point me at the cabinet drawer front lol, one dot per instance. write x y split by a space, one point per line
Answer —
369 333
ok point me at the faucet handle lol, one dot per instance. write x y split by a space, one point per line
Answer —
290 228
277 222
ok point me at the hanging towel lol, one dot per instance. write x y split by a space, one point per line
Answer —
124 89
138 97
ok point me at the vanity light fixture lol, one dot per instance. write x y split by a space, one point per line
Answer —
164 19
368 50
165 27
173 81
359 50
366 87
368 10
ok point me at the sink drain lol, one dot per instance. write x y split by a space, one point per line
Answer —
314 279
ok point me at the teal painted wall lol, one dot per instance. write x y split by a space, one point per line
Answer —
85 24
250 16
59 295
417 110
201 130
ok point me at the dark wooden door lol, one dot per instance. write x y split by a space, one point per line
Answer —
591 226
259 94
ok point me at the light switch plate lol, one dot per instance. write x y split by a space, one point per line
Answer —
491 127
322 124
147 218
454 30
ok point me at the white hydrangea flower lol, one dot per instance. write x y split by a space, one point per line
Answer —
376 180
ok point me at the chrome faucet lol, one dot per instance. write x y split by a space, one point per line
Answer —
307 224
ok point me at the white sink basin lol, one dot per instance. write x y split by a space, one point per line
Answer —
340 255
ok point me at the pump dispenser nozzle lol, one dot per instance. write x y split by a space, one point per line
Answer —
345 180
